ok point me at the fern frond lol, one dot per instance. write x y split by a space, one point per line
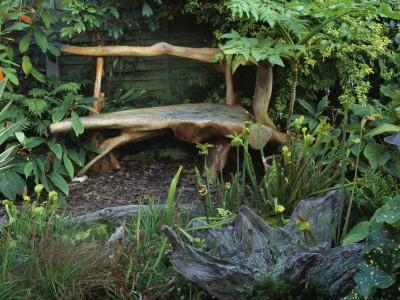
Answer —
38 93
26 125
67 87
39 127
52 82
85 82
7 96
36 106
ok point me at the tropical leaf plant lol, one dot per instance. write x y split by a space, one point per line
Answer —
7 187
378 273
383 121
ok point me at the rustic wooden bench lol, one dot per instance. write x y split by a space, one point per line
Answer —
190 122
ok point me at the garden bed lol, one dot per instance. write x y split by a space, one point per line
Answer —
137 179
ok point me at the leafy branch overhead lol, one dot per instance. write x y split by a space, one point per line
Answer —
27 25
293 22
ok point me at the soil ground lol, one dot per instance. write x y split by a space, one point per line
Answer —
135 180
147 175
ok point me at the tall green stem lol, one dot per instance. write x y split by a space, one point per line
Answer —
346 224
292 97
343 165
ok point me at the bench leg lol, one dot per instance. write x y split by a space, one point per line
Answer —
126 137
216 161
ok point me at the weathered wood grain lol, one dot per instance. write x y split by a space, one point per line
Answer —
258 251
192 123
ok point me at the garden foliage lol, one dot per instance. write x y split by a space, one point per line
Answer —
339 60
41 256
378 274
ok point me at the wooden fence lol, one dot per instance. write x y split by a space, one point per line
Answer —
153 74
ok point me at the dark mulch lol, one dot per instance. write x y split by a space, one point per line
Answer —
135 180
145 174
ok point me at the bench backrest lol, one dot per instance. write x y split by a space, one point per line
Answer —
201 54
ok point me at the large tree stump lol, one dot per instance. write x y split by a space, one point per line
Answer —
258 251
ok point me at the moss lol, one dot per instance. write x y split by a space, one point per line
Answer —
286 289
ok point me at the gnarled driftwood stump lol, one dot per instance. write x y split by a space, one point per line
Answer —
258 251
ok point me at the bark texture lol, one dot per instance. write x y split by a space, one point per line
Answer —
254 250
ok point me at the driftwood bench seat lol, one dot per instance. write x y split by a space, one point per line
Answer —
189 122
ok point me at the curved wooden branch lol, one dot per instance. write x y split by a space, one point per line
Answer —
262 94
98 105
95 137
230 94
202 54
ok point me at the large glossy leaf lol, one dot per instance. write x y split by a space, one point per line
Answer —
25 42
72 154
56 148
6 164
376 154
383 128
57 163
7 131
4 7
322 104
62 110
53 15
38 76
362 111
389 213
41 38
26 65
395 116
17 27
82 154
307 106
28 169
358 233
34 142
59 181
388 90
93 149
372 276
88 100
76 123
275 59
3 111
40 164
7 152
10 73
147 10
11 184
3 84
130 95
114 12
68 165
46 19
